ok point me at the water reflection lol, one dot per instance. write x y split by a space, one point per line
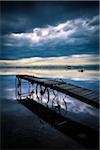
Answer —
78 110
69 106
52 73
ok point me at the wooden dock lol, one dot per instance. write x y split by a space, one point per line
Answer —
85 95
81 132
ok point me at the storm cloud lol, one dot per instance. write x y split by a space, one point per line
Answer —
77 31
48 29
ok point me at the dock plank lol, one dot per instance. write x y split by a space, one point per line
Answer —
67 87
84 93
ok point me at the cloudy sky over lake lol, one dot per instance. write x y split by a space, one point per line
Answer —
34 33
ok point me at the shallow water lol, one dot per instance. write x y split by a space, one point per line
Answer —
13 111
88 79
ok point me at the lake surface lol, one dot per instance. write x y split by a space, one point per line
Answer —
12 111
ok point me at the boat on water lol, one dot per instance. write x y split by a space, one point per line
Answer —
69 67
81 70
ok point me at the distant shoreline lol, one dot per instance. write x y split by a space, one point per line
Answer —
86 67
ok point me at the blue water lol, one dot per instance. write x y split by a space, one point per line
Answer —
18 120
84 113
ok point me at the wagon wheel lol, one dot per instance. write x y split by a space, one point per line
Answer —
18 89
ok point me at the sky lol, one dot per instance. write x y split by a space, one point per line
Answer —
49 33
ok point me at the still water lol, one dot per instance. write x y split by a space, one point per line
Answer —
21 128
76 109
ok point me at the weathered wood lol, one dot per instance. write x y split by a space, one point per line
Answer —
67 87
85 95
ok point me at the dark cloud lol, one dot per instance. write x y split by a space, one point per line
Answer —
72 32
94 21
23 16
